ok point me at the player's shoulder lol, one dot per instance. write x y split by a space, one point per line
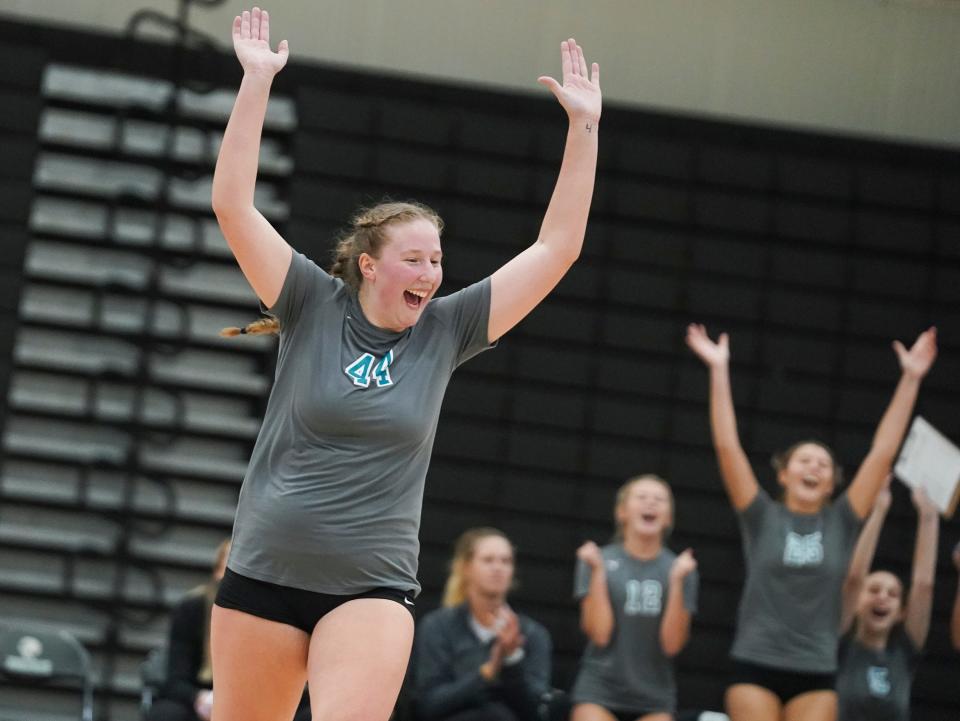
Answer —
667 556
613 550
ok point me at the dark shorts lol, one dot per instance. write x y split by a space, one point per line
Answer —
621 715
785 684
293 606
629 715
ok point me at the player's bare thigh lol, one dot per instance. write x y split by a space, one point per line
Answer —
749 702
358 658
259 666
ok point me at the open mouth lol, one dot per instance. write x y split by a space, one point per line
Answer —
648 517
414 298
879 614
811 482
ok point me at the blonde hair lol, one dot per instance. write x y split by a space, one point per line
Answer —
624 491
455 592
366 234
209 592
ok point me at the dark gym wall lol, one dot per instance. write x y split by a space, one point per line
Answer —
814 252
20 73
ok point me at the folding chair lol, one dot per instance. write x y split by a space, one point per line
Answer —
36 656
153 675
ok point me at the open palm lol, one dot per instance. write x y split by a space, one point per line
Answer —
917 361
580 92
709 352
251 42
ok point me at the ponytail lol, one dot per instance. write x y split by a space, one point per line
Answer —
263 326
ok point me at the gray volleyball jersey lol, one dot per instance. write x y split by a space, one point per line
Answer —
332 495
796 564
875 685
631 673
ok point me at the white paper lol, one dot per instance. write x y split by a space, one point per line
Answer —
928 459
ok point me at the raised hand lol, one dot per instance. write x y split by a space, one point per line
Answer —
884 497
683 565
921 501
712 354
917 361
590 554
251 42
580 92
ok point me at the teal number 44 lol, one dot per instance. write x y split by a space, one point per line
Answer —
367 368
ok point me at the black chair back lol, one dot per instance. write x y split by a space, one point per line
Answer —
34 656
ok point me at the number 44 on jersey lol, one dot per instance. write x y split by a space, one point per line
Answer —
367 367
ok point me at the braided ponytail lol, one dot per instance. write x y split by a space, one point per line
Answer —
263 326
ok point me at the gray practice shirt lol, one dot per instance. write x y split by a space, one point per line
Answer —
631 673
332 496
796 564
875 685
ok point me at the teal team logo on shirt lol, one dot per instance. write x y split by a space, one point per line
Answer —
367 367
643 598
803 550
878 680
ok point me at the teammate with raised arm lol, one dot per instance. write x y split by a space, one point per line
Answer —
797 552
321 577
881 638
636 598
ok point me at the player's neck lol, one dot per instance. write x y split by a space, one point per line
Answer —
872 638
375 315
642 547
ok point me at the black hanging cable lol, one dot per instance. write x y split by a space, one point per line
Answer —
139 433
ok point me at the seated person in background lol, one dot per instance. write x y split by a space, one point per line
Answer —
475 659
187 694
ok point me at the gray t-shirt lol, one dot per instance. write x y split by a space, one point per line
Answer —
332 496
796 564
631 673
875 685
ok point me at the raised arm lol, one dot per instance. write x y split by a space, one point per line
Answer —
920 600
914 364
863 557
596 611
519 286
735 469
263 255
675 623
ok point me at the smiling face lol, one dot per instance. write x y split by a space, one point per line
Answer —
645 509
880 604
489 572
808 477
398 284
